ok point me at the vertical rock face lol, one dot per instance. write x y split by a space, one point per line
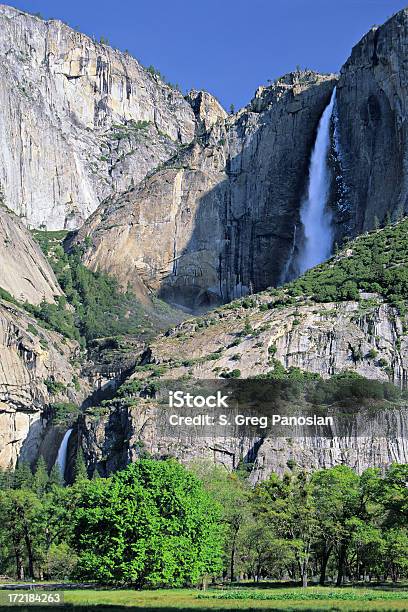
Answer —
372 104
111 442
36 365
24 271
35 371
225 208
78 120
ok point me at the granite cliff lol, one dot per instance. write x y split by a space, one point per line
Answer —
372 131
246 175
24 272
38 367
242 177
103 119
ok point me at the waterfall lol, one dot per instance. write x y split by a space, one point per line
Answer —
315 216
62 453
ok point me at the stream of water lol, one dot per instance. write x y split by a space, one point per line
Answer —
315 216
62 453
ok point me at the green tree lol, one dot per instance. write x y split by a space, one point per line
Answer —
80 470
231 491
288 507
262 554
366 548
151 524
40 480
61 561
21 517
395 553
55 477
6 479
23 477
394 495
337 496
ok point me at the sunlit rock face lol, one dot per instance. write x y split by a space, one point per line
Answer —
37 366
31 359
218 220
70 120
227 208
24 271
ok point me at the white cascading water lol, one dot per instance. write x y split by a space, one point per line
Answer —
62 452
315 216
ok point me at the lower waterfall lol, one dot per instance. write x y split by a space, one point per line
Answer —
62 453
315 216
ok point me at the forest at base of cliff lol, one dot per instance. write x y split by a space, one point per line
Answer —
160 524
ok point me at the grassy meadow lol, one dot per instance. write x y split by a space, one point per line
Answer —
313 598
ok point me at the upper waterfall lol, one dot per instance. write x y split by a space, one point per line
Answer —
315 216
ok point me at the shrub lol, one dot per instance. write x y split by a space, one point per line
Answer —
231 374
54 387
32 330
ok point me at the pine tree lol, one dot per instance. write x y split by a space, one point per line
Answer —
95 474
399 214
6 479
55 477
387 219
40 480
248 327
80 471
23 477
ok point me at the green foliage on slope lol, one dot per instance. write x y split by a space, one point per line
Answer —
96 307
375 262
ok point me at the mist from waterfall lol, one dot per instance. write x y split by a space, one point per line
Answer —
62 453
315 216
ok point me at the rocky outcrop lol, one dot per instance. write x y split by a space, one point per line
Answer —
79 120
383 443
24 271
218 220
207 110
112 440
36 370
372 106
365 337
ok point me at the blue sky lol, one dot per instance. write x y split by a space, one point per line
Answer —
227 47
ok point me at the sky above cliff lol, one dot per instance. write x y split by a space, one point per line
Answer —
228 47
